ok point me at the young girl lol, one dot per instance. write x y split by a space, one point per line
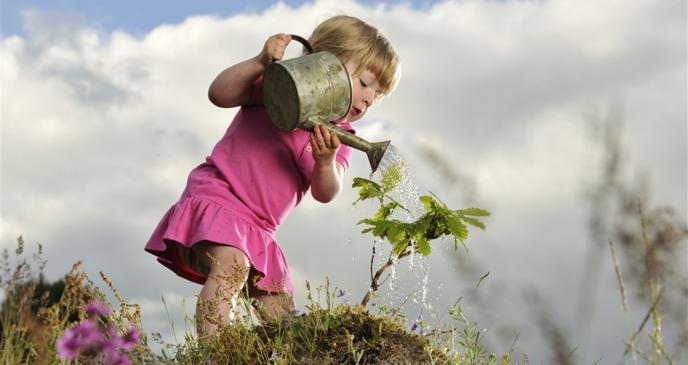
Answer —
221 231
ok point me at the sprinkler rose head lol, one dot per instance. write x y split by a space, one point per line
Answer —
376 152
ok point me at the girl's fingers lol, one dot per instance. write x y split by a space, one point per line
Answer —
323 141
320 144
286 38
276 45
318 135
314 146
326 135
334 141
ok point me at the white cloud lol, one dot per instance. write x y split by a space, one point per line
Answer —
100 129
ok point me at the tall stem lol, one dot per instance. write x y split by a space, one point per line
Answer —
375 278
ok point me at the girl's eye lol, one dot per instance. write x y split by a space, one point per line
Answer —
363 83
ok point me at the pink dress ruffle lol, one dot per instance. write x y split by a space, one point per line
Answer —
195 219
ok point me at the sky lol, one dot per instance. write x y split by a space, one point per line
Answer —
105 111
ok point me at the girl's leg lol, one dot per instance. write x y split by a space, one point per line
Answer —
271 306
228 271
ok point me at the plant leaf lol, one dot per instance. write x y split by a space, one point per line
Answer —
391 177
396 233
381 228
474 222
399 247
367 189
423 246
457 228
476 212
428 201
385 210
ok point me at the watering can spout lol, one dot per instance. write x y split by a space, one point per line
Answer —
375 153
374 150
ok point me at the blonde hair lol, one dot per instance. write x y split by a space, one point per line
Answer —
353 40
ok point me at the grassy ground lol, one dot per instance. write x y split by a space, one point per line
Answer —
38 320
35 315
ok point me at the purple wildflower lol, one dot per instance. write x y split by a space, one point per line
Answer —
418 326
89 339
83 337
125 342
117 358
67 347
95 308
130 339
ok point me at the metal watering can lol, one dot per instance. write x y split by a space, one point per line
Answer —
314 89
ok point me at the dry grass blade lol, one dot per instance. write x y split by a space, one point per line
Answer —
655 292
624 300
645 319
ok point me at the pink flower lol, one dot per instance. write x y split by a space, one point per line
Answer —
125 342
94 308
67 347
417 326
130 339
83 337
117 358
89 339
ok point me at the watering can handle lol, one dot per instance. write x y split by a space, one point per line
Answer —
303 41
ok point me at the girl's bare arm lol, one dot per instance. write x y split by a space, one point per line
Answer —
233 86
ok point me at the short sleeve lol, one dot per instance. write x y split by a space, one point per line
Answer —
256 92
344 156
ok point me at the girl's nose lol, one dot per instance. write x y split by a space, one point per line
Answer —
369 98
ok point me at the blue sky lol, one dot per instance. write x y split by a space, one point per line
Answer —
141 16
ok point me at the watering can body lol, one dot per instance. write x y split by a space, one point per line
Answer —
311 90
299 90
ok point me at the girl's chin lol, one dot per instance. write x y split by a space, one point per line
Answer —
346 119
349 118
352 118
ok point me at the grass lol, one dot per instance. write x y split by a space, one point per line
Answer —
35 314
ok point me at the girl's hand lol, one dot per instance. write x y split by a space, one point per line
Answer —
273 50
326 182
324 144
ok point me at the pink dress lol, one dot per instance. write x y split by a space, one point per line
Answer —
254 177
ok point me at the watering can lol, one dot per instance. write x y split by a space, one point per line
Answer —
311 90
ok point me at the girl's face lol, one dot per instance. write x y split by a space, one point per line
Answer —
364 93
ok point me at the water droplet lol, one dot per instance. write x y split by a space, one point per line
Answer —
406 191
425 290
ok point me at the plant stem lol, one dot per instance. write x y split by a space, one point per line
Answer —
375 278
624 301
654 290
